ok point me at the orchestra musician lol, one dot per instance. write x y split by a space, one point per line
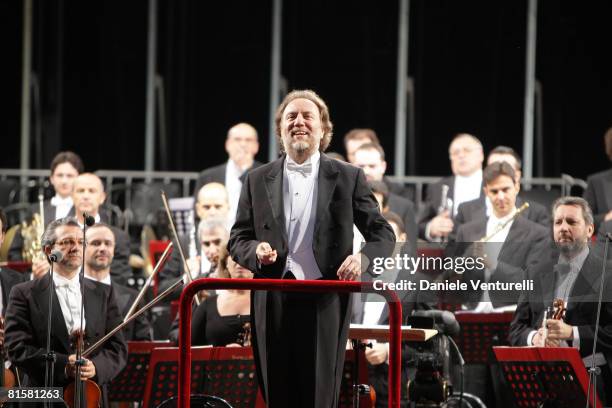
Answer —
27 314
571 274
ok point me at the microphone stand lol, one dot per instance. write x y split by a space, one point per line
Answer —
78 389
594 371
50 356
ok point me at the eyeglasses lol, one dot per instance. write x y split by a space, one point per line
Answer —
215 242
69 242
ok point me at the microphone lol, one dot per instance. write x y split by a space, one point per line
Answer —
56 255
446 319
88 219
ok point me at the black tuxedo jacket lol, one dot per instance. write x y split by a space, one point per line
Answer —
26 331
8 279
432 201
140 328
523 248
477 209
405 209
344 199
216 174
599 194
581 307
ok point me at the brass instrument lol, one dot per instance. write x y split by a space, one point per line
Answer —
502 226
32 234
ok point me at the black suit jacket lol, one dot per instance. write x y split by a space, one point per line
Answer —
581 307
344 199
432 201
8 279
523 248
26 331
139 329
475 209
405 209
216 174
599 194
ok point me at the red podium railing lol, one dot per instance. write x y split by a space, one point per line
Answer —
314 286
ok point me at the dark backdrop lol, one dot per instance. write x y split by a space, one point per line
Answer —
467 59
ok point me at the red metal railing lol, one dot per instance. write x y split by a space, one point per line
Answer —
318 286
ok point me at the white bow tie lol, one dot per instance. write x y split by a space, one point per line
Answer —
303 169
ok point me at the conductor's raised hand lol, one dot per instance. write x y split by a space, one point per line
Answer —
265 254
350 269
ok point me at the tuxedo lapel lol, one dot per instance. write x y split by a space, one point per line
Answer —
274 191
58 325
586 287
328 176
49 212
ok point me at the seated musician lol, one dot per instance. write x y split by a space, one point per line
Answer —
573 275
222 319
371 309
98 259
27 314
513 243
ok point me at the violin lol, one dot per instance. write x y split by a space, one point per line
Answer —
81 393
556 312
7 377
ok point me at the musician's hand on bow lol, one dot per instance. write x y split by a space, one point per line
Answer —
88 370
377 354
350 269
441 225
265 254
559 330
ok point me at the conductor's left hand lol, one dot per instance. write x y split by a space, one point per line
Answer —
350 269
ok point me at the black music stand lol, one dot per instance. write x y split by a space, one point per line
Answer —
224 372
129 385
480 332
544 377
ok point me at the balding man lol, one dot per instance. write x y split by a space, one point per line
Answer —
212 201
241 146
466 157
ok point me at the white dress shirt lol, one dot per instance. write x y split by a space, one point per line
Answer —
300 206
466 188
62 206
69 296
492 248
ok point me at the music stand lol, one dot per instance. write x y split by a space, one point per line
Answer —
378 332
129 384
480 332
225 372
555 376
